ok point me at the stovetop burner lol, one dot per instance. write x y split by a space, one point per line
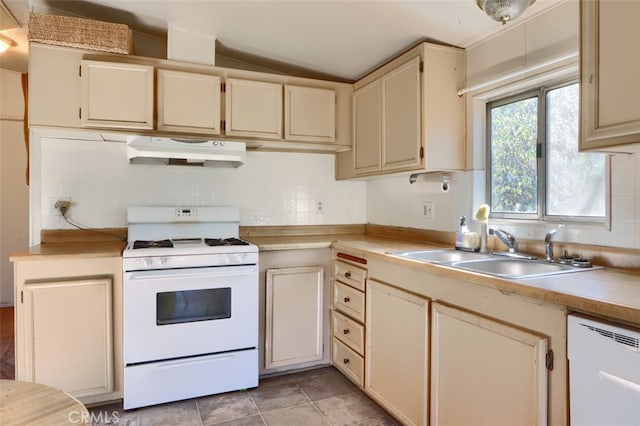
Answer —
225 242
138 244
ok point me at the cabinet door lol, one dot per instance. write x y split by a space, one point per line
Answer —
367 130
485 372
69 331
117 95
54 86
310 114
293 332
188 102
253 108
401 116
610 73
396 373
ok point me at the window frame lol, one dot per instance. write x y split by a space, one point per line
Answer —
540 92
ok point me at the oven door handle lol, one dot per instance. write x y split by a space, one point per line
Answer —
223 271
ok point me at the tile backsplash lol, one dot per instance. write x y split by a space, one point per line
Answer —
271 188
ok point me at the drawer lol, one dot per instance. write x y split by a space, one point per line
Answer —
349 301
348 331
350 363
349 274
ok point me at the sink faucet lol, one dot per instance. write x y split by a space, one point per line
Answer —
508 239
548 245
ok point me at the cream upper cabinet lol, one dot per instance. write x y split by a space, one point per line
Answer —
610 74
310 114
367 128
253 109
401 113
407 115
54 86
188 102
387 121
116 95
294 320
485 372
397 352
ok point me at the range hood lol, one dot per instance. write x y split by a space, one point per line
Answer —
185 152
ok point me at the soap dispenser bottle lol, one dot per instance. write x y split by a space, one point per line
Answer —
462 230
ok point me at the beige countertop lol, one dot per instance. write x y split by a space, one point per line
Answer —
65 250
610 293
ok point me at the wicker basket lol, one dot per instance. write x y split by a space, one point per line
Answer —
78 32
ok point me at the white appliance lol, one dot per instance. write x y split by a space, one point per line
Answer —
190 305
185 152
604 373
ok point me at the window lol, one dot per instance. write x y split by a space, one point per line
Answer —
534 168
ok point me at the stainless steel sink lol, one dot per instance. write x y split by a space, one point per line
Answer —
487 264
516 268
442 255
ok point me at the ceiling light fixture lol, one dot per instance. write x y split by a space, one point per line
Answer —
5 43
504 10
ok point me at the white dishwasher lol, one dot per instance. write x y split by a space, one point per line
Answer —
604 373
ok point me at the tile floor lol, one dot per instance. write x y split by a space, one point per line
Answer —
315 397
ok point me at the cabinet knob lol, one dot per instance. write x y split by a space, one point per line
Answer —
345 361
345 331
346 299
347 274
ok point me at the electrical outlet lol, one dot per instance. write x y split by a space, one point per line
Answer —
61 205
320 206
429 209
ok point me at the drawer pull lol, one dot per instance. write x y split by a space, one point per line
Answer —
345 361
346 299
345 331
347 274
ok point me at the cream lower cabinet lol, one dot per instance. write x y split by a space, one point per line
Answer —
610 75
253 109
69 335
294 316
485 372
117 95
69 325
397 351
188 102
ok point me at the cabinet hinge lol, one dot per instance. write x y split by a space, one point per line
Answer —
79 70
80 113
223 125
223 87
323 348
421 66
21 296
421 152
548 360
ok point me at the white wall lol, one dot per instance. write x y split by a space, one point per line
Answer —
270 188
550 37
14 192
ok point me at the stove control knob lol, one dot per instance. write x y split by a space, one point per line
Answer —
162 261
147 263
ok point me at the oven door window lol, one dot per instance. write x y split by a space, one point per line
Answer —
175 307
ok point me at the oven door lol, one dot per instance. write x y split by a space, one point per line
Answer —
184 312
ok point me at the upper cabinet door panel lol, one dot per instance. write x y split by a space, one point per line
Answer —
188 102
401 116
610 79
253 109
117 95
367 132
310 114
